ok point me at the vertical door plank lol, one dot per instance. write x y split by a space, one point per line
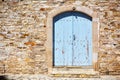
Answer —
58 44
63 40
67 26
82 30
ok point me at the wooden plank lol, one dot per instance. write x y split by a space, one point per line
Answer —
63 39
82 30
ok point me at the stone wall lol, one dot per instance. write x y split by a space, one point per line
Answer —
23 34
44 77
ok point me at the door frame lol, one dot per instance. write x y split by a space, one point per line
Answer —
95 33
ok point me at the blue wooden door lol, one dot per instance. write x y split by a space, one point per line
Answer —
72 39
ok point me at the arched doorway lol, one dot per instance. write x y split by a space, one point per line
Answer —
72 39
91 17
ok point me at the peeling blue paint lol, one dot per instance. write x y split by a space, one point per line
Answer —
72 41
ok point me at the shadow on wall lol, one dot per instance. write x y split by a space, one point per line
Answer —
3 77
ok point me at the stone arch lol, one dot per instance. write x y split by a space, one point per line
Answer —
61 9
